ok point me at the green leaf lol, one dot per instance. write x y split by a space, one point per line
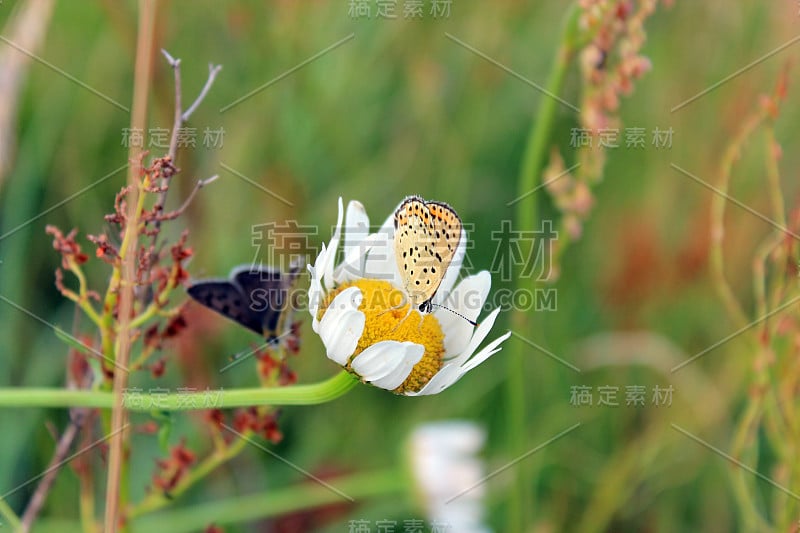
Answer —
165 429
74 343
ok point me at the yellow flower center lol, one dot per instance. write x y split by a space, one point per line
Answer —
387 319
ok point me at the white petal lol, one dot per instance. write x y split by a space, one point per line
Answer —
314 297
319 263
351 268
381 262
491 349
469 296
449 374
356 226
455 370
342 325
333 248
467 299
316 291
387 364
356 244
480 334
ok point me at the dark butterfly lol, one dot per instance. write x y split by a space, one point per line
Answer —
257 297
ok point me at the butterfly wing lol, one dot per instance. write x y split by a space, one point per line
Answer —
427 235
266 293
255 297
447 228
227 299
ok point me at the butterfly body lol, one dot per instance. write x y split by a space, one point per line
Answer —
427 236
256 297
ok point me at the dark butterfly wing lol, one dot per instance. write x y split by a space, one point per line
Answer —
255 297
266 291
227 299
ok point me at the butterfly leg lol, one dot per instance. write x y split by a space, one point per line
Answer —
421 322
402 320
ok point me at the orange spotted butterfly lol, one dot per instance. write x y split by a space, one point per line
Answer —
427 235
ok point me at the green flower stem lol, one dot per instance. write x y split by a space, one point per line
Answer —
156 500
313 394
82 298
537 148
538 144
274 502
8 515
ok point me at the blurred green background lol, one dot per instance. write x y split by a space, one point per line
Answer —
401 109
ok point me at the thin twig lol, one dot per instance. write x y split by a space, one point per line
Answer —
213 70
763 408
40 495
86 494
78 417
177 122
718 207
199 185
180 119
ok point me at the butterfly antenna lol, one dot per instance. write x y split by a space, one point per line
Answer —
474 324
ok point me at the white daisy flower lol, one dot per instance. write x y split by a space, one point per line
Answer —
449 474
360 312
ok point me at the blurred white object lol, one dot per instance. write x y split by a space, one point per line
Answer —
449 474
